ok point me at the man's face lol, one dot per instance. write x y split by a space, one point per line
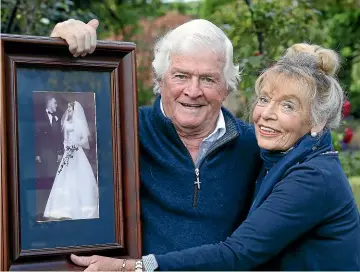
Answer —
192 91
52 105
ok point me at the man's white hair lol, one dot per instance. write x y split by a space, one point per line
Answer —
188 38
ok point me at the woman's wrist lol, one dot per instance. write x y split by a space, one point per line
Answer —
139 266
132 265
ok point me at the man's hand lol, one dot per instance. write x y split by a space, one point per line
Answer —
80 37
38 159
98 263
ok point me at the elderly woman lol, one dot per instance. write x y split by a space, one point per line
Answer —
303 216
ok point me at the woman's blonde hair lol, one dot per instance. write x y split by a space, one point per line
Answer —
315 68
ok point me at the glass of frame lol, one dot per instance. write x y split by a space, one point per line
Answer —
69 153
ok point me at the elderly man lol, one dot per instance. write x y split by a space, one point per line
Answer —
198 163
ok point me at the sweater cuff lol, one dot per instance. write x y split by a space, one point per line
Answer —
149 262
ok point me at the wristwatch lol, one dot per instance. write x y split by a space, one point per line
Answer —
139 266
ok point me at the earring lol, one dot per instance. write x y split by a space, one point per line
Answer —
314 134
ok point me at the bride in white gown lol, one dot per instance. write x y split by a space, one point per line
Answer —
74 194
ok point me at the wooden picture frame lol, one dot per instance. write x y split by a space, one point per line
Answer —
23 59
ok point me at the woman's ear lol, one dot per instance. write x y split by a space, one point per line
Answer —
317 129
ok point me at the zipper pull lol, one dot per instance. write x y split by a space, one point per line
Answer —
197 181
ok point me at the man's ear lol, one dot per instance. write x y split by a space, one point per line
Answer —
161 84
227 92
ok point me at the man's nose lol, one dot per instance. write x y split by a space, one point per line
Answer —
194 89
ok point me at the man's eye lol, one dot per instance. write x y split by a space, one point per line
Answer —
180 76
207 79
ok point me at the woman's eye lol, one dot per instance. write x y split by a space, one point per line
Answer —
288 106
262 100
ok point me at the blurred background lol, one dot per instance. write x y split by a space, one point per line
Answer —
260 31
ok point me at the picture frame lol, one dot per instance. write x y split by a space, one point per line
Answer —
104 83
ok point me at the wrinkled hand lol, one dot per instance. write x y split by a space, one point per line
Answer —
38 159
98 263
80 37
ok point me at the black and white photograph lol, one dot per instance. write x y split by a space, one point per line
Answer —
65 156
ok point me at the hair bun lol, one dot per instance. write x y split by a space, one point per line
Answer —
328 60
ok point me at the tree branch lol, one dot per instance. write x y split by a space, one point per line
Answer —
12 17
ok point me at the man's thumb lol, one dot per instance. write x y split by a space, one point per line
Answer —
81 261
94 23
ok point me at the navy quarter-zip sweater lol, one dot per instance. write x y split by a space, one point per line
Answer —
303 217
175 214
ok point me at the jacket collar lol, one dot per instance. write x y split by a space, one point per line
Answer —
278 163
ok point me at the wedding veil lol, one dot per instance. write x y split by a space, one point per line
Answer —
81 128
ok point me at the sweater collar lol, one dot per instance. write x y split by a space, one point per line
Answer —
219 130
167 127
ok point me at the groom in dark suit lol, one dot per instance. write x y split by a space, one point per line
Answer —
48 150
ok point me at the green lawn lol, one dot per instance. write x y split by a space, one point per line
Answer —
355 185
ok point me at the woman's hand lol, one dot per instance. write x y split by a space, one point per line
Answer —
80 37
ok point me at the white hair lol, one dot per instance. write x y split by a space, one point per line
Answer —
192 36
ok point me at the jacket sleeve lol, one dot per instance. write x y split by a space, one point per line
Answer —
296 204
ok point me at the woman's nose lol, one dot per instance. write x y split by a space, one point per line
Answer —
269 112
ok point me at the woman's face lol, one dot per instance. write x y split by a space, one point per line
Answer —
282 112
70 110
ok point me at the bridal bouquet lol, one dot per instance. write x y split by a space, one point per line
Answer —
68 154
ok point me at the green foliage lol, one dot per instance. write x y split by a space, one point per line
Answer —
38 17
262 30
337 138
343 24
355 185
350 161
120 17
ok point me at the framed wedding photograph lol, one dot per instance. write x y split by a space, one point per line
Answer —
68 153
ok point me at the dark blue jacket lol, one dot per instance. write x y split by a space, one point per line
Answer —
303 217
175 215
